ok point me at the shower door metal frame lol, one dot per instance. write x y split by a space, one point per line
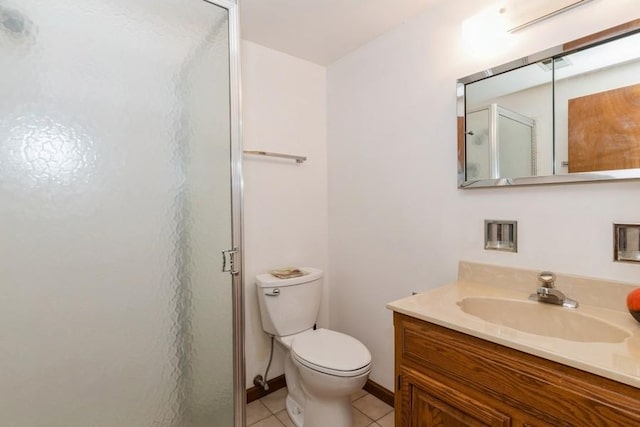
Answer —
239 393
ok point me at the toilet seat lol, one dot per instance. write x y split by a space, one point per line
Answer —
331 352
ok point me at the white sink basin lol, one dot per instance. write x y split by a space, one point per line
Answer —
543 319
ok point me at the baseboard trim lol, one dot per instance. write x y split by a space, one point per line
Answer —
380 392
371 387
255 393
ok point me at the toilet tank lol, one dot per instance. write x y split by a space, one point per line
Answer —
289 306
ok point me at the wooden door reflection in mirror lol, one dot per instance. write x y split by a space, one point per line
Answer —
604 130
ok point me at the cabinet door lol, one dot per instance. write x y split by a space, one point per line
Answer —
433 404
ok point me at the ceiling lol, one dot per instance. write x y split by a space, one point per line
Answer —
322 31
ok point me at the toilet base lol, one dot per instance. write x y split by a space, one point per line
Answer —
328 412
295 411
334 413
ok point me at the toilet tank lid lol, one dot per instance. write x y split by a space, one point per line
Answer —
267 280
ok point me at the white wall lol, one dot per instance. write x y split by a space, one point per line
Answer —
397 222
285 220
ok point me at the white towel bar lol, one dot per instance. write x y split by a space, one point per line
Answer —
298 159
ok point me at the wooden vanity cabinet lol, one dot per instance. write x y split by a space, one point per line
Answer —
450 379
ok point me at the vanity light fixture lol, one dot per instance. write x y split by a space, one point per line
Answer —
500 235
626 242
520 14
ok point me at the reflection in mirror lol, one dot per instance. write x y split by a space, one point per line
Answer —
597 107
570 113
512 111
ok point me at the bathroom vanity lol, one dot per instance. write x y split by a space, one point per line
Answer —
454 368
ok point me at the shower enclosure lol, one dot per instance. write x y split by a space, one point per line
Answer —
499 143
119 191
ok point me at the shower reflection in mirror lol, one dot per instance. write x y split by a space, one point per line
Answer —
500 143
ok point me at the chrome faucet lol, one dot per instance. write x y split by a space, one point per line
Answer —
548 293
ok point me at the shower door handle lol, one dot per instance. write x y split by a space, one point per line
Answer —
231 256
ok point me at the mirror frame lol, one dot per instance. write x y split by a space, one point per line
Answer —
613 33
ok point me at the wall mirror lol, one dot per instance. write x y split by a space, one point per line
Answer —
568 114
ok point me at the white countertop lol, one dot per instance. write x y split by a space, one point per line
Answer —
618 361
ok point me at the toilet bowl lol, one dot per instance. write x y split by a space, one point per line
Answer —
328 367
323 368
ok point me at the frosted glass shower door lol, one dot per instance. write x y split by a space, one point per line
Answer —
478 146
115 205
516 148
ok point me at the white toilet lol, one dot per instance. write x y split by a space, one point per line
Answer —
323 368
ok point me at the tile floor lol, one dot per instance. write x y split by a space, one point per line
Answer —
270 411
